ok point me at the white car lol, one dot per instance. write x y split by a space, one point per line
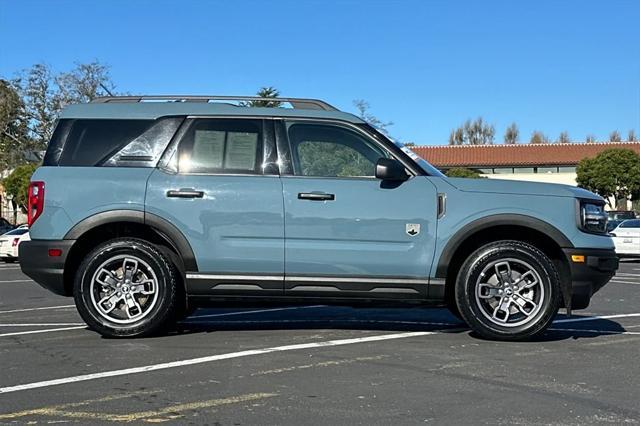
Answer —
10 241
626 237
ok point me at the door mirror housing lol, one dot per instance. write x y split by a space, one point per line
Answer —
388 169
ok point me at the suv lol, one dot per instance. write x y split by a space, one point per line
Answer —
146 207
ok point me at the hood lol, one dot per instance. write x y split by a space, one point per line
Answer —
518 187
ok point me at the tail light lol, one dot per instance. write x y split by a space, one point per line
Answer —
36 201
16 241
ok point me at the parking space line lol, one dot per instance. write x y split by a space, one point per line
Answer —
47 324
37 309
624 282
16 281
49 330
256 311
586 330
212 358
595 318
627 274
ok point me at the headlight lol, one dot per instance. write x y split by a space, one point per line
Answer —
593 218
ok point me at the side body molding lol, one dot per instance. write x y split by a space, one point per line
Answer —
496 220
163 227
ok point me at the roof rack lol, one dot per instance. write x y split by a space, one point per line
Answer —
298 103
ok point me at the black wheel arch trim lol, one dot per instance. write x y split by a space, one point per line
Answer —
160 225
496 220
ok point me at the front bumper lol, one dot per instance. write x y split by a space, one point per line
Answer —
48 271
588 277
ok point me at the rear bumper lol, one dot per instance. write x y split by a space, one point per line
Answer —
46 270
591 275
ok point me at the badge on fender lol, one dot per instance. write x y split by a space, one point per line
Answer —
413 229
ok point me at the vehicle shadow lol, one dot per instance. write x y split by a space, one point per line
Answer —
373 319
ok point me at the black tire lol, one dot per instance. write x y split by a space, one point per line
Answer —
502 308
160 309
9 259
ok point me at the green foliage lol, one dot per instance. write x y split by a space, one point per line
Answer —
265 92
363 111
330 159
614 173
17 184
13 126
511 134
461 172
538 137
476 132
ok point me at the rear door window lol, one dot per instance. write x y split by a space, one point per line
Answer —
214 146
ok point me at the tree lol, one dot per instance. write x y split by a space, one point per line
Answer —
511 134
16 186
615 136
538 137
476 132
563 138
363 111
631 137
461 172
590 139
84 83
613 173
269 92
13 126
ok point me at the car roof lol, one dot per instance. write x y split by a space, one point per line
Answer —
154 110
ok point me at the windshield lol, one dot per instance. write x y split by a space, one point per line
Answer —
634 223
418 160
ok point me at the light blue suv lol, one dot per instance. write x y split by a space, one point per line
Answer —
146 207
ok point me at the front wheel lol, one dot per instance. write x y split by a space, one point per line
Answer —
125 288
508 290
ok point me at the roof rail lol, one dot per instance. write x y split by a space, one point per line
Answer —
298 103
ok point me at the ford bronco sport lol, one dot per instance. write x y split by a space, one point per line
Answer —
146 207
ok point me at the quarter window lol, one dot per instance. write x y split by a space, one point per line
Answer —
221 146
331 151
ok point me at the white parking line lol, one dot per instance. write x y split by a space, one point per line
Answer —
49 330
255 312
50 324
627 274
624 282
17 281
595 318
37 309
595 331
212 358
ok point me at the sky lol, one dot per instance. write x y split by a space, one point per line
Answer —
427 66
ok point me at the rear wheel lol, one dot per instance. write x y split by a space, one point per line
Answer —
508 290
125 288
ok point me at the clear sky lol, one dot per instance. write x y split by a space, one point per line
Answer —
425 65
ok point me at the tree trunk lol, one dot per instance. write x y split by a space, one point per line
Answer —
15 212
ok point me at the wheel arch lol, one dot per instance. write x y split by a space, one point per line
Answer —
118 223
546 237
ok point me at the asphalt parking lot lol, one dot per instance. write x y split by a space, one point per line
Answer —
317 364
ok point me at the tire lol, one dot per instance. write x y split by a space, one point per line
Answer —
508 290
126 288
8 259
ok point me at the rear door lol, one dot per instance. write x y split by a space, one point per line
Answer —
218 187
349 234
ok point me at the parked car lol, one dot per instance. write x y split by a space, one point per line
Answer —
621 214
613 224
176 204
10 243
626 238
5 226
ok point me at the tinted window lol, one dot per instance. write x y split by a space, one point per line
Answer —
221 146
630 224
92 141
18 231
330 151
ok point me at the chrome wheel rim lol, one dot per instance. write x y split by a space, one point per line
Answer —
124 289
509 292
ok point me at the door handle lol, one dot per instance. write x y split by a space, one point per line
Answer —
184 193
316 196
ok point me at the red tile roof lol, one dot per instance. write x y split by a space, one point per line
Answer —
552 154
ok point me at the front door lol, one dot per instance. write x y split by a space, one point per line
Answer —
349 234
217 191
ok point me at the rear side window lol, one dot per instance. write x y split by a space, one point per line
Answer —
221 146
125 143
20 231
630 224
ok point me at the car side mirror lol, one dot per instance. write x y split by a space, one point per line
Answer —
388 169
